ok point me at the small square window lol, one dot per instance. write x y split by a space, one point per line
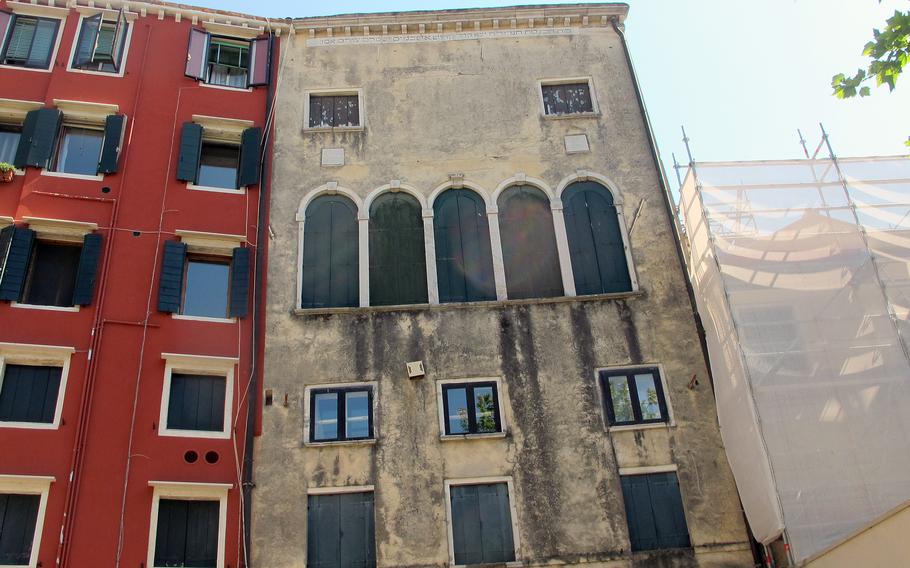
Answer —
100 45
634 396
228 63
567 98
341 414
218 165
471 408
28 393
206 287
9 142
30 42
654 511
196 402
333 111
18 521
481 524
78 151
51 276
187 533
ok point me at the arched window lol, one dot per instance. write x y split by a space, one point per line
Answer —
595 240
464 260
398 263
529 244
330 271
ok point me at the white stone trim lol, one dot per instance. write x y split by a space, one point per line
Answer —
500 398
198 365
374 412
499 264
522 179
49 308
393 187
81 113
30 485
221 129
107 16
14 111
567 81
340 489
194 187
232 31
456 182
644 470
671 419
39 11
362 119
189 492
60 229
6 221
50 173
38 355
516 537
199 242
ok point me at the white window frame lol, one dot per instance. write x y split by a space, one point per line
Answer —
228 37
29 485
307 393
330 93
568 81
211 244
38 11
84 13
189 492
671 420
516 539
80 114
198 365
220 130
440 403
38 355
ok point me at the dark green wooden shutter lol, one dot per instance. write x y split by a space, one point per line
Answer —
467 532
639 513
464 258
669 517
18 519
196 402
496 523
529 244
29 393
187 533
14 267
357 538
39 136
88 269
190 152
398 266
595 240
248 173
240 283
331 276
170 289
114 126
323 527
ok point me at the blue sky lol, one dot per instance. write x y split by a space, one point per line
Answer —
741 75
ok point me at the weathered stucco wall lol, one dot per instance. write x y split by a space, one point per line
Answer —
473 107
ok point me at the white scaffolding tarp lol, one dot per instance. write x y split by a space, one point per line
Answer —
802 276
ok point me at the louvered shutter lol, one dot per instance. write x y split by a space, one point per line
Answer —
397 257
18 519
39 137
260 61
170 288
190 152
19 43
88 268
43 44
197 54
240 283
529 244
114 127
88 38
248 173
15 261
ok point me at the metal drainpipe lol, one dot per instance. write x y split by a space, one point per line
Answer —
259 298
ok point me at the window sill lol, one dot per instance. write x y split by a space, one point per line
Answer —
649 426
226 87
461 437
467 305
195 187
333 128
571 116
203 318
205 434
368 442
48 308
118 74
30 426
48 173
23 68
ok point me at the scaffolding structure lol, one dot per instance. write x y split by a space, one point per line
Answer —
802 277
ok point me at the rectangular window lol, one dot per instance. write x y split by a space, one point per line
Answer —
334 110
196 402
206 288
340 530
567 98
218 165
30 42
482 524
101 44
9 141
18 520
654 511
187 533
28 393
339 414
471 408
51 276
78 151
634 396
228 63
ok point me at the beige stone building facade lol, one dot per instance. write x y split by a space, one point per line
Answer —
480 346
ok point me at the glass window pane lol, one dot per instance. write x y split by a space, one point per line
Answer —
9 141
485 409
42 44
218 166
20 41
357 415
622 399
207 286
79 152
458 410
325 420
647 397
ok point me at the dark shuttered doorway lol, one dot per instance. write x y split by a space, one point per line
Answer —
654 511
330 254
398 265
18 518
482 524
464 258
187 533
340 531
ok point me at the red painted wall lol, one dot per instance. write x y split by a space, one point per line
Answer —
143 208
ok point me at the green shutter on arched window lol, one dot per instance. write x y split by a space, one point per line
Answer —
464 258
330 254
398 267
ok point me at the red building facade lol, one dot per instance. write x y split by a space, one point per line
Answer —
130 242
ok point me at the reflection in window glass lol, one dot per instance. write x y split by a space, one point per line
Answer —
471 408
326 416
458 410
647 397
228 64
485 408
622 399
79 151
634 396
207 285
9 141
357 415
218 166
